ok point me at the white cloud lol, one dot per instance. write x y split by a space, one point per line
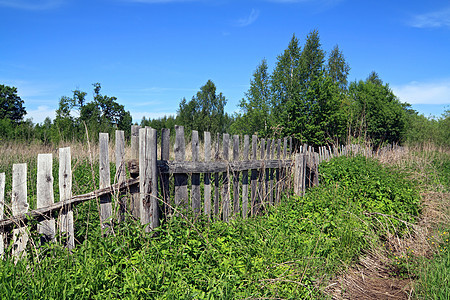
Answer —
431 20
250 19
38 115
424 92
31 4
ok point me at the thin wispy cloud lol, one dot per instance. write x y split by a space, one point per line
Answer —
250 19
32 4
38 115
431 20
424 92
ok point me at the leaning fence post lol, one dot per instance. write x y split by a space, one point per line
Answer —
19 206
105 181
65 193
44 195
2 206
120 175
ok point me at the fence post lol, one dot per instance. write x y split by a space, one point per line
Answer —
120 175
278 174
44 195
134 190
105 181
154 204
181 189
2 207
19 206
207 189
261 182
225 189
216 179
65 193
298 162
165 155
195 179
254 178
245 180
236 206
269 174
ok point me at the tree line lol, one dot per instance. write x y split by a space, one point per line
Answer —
307 96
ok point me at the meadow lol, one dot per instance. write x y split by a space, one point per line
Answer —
386 217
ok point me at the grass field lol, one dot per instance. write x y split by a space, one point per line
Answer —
389 214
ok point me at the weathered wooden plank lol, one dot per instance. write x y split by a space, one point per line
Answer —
19 206
261 183
236 197
245 180
2 207
154 202
120 175
165 179
44 195
105 181
225 183
65 195
216 179
43 213
278 174
181 188
269 175
298 163
254 178
207 176
175 167
195 178
134 190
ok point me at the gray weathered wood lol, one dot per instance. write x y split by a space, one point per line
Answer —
105 181
269 174
261 182
165 180
134 190
148 178
245 180
181 188
298 162
44 195
2 207
216 179
195 178
207 176
120 175
278 174
254 178
225 183
65 194
154 203
236 207
19 206
43 213
175 167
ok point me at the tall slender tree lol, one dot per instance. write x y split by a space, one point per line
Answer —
255 107
338 68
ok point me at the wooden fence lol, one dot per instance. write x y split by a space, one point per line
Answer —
255 176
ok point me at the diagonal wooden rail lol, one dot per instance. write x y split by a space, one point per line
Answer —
43 213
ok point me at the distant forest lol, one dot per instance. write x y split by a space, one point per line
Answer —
306 96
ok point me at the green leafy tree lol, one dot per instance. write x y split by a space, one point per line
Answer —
11 105
338 68
379 115
255 107
204 112
285 83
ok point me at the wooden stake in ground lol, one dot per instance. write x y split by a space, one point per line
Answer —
19 206
65 194
44 195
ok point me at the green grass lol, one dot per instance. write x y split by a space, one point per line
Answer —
290 252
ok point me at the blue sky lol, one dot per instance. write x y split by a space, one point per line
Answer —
152 53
